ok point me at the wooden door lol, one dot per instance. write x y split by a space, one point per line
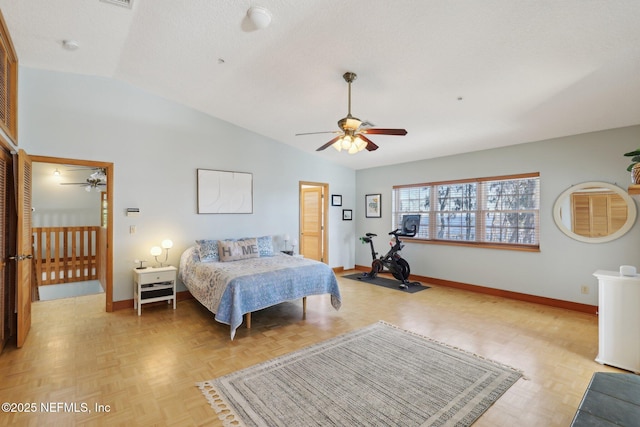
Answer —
23 247
7 247
313 243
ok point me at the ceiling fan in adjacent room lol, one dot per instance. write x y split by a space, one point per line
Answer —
353 130
97 180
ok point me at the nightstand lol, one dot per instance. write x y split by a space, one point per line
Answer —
154 284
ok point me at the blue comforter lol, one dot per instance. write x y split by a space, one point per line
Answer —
231 289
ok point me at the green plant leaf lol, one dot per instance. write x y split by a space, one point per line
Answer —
633 153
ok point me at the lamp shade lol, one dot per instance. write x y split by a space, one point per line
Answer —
167 244
156 250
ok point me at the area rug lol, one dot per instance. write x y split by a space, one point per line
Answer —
387 283
379 375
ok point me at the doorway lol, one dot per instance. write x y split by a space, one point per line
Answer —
103 211
313 220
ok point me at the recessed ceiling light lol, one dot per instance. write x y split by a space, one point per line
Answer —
70 44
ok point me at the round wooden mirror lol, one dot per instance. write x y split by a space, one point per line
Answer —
594 212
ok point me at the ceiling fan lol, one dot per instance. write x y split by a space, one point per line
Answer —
352 136
97 180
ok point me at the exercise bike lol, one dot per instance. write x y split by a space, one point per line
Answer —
392 262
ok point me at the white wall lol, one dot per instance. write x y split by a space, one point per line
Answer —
156 146
563 265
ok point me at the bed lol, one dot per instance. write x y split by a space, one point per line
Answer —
236 287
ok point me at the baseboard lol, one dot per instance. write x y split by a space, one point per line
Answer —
583 308
128 303
338 269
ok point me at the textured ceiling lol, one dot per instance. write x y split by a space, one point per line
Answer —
459 75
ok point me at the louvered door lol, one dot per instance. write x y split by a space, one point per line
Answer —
24 248
8 84
5 299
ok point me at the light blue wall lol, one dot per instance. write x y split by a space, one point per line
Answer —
156 146
563 265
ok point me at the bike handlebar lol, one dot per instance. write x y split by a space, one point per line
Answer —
397 233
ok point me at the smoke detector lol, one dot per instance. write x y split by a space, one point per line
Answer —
259 16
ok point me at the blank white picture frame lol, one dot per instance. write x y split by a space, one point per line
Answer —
224 192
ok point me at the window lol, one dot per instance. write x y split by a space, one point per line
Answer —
491 212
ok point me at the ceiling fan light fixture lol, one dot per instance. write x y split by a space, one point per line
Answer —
353 137
259 16
352 123
347 142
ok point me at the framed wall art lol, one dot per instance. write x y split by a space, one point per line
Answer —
224 192
347 214
372 206
336 200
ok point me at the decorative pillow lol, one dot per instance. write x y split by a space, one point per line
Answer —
265 245
208 250
238 249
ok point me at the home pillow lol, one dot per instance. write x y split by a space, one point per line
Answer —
208 250
234 250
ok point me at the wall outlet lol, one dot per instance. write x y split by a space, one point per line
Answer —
584 289
132 229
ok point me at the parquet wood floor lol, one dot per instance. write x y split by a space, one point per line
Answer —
144 368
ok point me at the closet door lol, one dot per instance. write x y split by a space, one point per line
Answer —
5 311
24 255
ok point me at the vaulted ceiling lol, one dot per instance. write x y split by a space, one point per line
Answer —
460 75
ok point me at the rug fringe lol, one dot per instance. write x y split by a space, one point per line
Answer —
217 402
462 350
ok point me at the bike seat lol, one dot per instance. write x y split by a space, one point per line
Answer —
370 235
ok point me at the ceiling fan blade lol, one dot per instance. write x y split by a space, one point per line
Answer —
83 183
370 145
316 133
328 144
378 131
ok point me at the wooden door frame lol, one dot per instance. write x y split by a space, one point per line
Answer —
325 215
108 167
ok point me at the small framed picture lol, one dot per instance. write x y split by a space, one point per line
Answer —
336 200
372 206
347 214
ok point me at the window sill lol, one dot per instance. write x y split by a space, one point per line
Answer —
485 245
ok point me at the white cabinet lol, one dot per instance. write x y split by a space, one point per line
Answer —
618 320
154 284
